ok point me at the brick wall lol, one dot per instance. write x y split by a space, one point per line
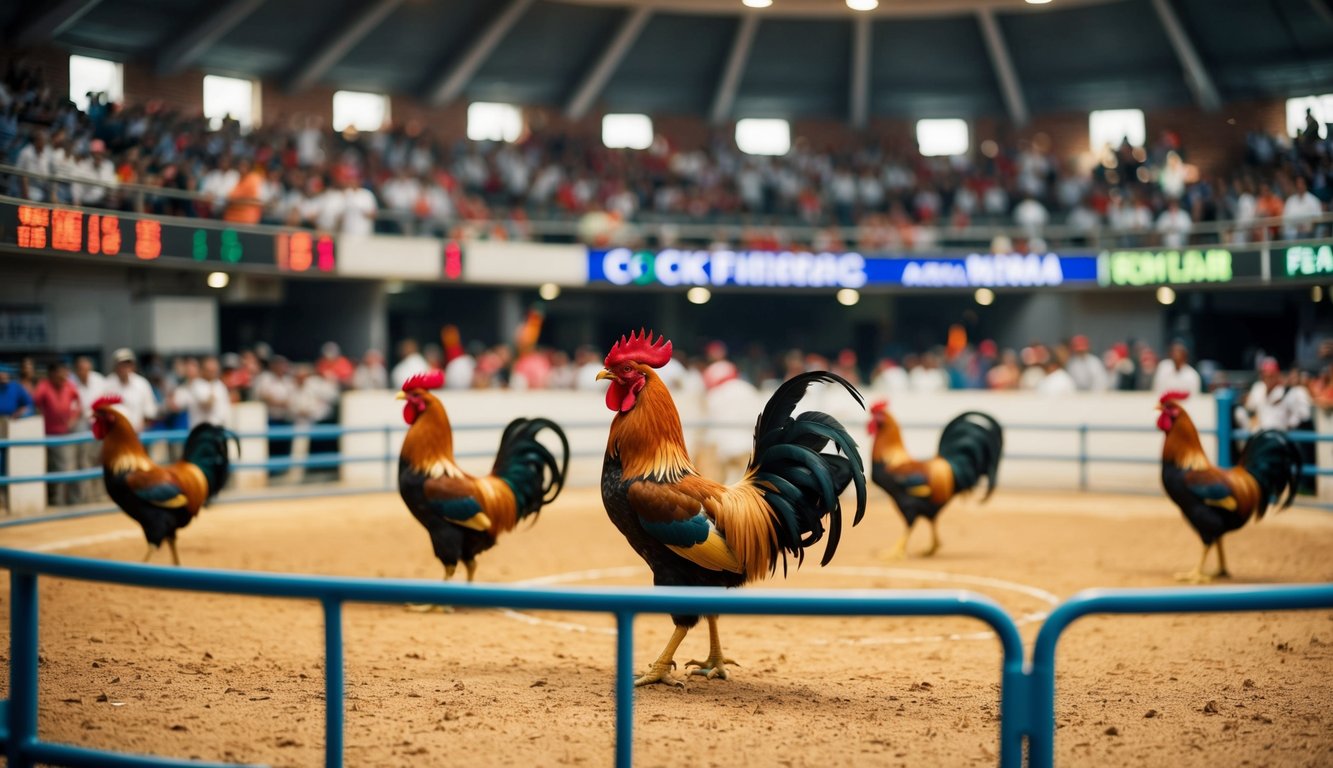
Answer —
1213 140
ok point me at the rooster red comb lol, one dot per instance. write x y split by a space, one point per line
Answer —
106 401
427 380
1175 396
640 348
879 408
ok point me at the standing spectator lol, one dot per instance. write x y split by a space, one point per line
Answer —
137 400
1175 374
15 402
219 182
1174 225
36 158
728 439
929 376
1005 374
1265 401
58 400
1085 368
334 365
371 374
204 396
1299 212
246 200
275 389
410 363
1031 216
1057 380
90 384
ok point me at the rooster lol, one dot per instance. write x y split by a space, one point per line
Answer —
464 514
970 448
1217 501
162 500
696 532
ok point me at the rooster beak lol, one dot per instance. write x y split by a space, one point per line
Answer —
605 374
1157 407
400 396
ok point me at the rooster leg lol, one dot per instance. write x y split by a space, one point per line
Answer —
175 556
471 566
149 554
715 664
934 538
1197 576
660 671
431 607
1222 572
899 550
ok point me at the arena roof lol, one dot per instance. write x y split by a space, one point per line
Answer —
797 58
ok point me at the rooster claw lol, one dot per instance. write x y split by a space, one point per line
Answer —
1194 577
712 668
428 608
659 673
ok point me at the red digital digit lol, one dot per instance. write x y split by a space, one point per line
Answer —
94 234
300 252
67 230
32 226
325 249
110 235
147 239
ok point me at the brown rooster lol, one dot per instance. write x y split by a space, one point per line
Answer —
464 514
1217 501
162 500
696 532
970 448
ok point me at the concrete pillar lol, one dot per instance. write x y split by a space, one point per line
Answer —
510 315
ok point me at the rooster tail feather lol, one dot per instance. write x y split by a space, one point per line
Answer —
529 468
206 448
972 443
801 483
1273 460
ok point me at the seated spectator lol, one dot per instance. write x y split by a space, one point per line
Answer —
1174 225
1300 212
371 374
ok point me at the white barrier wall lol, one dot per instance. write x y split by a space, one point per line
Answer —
479 417
25 498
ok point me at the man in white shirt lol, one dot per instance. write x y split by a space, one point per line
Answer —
1086 369
1174 225
401 193
347 208
1057 380
1031 216
410 363
91 385
37 158
219 182
204 396
1175 374
1299 212
137 400
727 400
1266 402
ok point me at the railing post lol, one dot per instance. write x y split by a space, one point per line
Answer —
624 690
1226 404
22 667
334 706
1083 457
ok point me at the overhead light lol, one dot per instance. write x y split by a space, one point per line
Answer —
863 5
756 3
218 279
1317 293
1166 295
848 297
549 291
1038 2
698 295
394 286
984 296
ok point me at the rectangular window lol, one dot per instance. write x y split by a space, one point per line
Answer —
1321 107
762 136
359 110
89 75
627 131
231 97
1110 127
489 121
943 137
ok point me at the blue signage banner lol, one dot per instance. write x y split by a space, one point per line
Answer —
673 267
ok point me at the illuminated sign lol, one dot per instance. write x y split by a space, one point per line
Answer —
766 269
128 237
1303 261
453 260
1212 265
790 269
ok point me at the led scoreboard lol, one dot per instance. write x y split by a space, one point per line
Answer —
130 237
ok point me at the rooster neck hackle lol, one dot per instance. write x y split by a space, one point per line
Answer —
121 449
1182 447
888 447
648 439
429 444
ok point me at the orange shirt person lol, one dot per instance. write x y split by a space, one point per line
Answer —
245 204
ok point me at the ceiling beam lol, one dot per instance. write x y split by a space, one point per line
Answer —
1324 10
451 83
859 99
1196 74
725 96
182 49
606 65
46 24
341 43
1010 88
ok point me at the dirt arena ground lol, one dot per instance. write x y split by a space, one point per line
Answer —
237 679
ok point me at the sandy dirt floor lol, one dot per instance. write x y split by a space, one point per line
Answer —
240 679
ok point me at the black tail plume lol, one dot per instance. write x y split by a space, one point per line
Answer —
972 444
1274 461
528 467
206 448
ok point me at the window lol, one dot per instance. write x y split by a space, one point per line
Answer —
89 75
944 137
1320 106
1109 127
627 131
488 121
359 110
760 136
230 97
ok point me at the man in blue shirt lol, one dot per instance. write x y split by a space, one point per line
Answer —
14 399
